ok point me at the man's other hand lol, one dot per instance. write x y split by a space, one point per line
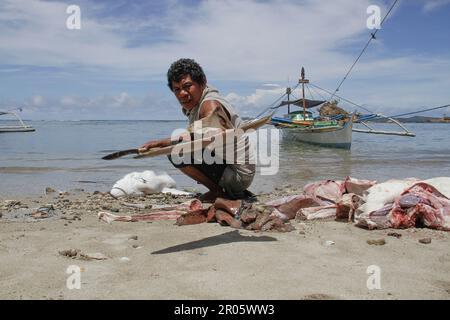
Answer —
149 145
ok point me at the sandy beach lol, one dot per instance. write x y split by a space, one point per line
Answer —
160 260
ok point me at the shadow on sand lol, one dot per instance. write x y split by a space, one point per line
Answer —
228 237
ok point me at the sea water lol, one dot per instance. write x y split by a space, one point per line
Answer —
66 155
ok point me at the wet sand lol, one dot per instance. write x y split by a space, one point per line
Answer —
159 260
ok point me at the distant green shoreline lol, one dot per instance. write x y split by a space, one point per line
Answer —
416 119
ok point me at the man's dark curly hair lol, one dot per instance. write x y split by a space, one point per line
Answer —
183 67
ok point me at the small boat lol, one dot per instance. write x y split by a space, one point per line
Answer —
446 118
302 126
21 127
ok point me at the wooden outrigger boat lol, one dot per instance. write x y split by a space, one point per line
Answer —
301 126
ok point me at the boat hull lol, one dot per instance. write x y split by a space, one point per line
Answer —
334 137
16 129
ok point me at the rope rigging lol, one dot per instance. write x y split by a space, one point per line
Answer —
373 115
317 92
414 112
372 36
271 106
346 100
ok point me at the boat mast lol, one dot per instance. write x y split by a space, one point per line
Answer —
303 81
288 92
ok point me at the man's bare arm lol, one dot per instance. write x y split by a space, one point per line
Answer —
208 107
155 143
212 106
164 142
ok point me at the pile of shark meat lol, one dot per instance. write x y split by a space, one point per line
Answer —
225 212
238 214
406 204
393 204
396 204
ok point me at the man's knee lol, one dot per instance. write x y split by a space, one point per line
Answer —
235 184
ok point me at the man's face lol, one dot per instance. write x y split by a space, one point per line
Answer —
188 92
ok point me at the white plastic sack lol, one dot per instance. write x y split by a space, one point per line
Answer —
146 182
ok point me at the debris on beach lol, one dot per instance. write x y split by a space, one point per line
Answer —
49 190
70 253
72 206
43 212
377 242
77 254
425 240
394 234
93 256
169 212
13 210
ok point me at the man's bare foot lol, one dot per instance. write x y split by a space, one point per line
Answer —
211 196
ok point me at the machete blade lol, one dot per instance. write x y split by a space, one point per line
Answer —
119 154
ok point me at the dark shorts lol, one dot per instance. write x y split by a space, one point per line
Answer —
213 171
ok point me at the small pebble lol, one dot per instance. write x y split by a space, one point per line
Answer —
49 190
94 256
377 242
394 234
425 240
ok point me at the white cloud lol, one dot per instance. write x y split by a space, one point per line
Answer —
256 101
232 39
238 39
68 101
431 5
271 85
37 101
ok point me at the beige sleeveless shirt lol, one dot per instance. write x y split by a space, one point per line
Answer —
245 164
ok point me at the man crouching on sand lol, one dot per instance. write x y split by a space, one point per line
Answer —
198 100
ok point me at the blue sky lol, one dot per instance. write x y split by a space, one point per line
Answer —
114 66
